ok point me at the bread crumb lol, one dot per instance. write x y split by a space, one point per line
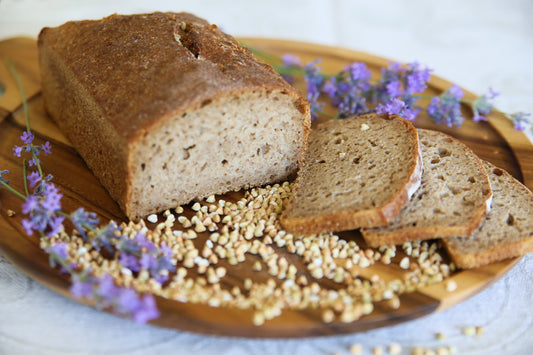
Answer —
378 350
10 213
451 286
469 331
395 349
356 349
440 336
152 218
364 127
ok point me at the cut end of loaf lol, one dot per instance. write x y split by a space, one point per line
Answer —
226 144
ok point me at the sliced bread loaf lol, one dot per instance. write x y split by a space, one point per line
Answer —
357 172
506 232
452 200
165 108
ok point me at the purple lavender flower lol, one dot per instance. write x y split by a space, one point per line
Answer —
107 290
130 261
3 180
330 88
520 120
52 200
394 88
105 293
447 107
57 251
314 81
41 211
34 161
17 151
82 220
146 310
291 61
141 309
140 253
397 107
483 105
27 137
359 74
33 178
47 148
105 237
348 90
416 78
82 286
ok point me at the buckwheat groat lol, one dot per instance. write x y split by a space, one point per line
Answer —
506 232
453 199
165 108
357 172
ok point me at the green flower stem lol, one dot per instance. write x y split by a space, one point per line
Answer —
2 183
262 54
25 177
322 113
37 164
22 93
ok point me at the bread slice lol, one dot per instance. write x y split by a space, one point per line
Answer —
165 108
357 172
453 199
506 232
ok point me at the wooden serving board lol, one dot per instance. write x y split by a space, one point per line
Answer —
495 141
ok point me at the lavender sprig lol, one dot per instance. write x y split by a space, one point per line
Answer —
396 91
44 215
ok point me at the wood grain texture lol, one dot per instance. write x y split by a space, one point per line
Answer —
495 141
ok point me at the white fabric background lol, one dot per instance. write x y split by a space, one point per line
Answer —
475 44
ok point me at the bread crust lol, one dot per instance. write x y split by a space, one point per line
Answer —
108 82
349 219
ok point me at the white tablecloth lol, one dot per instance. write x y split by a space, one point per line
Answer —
475 44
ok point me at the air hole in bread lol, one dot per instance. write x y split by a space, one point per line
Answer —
186 154
441 177
471 179
435 160
143 166
510 220
372 143
356 160
224 162
164 166
455 190
443 152
338 140
321 161
205 102
437 210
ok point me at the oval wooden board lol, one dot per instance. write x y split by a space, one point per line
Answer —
495 141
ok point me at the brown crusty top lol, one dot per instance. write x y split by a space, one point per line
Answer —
140 68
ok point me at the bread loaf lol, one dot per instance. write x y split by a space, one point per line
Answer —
165 108
357 172
453 199
506 232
